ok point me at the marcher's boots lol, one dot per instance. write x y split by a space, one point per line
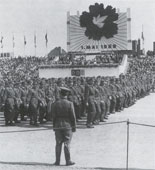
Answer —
58 155
36 124
67 155
56 163
17 121
69 163
90 125
6 123
12 123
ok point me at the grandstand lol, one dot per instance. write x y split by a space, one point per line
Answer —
93 55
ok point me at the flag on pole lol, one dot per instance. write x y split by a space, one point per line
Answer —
24 40
46 39
142 36
35 40
13 41
1 41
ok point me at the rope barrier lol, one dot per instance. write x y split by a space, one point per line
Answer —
140 124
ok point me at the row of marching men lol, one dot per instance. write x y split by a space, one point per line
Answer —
21 100
108 96
93 97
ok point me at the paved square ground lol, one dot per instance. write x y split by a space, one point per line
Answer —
104 147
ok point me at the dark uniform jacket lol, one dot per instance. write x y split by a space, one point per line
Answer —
33 98
24 93
63 115
89 93
9 96
73 95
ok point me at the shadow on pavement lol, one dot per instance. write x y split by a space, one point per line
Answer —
41 127
29 130
26 163
31 164
73 167
36 129
99 168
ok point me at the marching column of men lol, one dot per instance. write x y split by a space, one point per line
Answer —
93 97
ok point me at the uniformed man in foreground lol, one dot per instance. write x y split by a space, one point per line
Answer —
64 124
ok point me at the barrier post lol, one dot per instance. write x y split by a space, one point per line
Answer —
127 156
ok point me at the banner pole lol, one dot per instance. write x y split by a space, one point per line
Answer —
13 53
24 50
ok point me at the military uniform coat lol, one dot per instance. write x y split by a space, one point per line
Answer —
63 115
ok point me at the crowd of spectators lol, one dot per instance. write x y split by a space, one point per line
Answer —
89 60
141 65
27 68
20 67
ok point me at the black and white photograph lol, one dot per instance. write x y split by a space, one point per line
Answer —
77 84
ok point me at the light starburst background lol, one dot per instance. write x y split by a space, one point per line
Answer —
24 17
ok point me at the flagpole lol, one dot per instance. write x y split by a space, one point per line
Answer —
24 45
46 49
2 52
142 40
13 45
2 49
2 44
13 53
25 42
35 50
142 33
46 38
24 49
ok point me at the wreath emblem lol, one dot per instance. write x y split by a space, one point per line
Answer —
99 21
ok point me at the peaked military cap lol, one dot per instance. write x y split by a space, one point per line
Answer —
64 89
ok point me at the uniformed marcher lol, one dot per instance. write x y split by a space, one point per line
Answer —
81 84
43 103
50 99
108 96
57 88
24 105
90 102
113 95
18 101
34 100
74 97
97 102
2 89
9 100
104 99
64 124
